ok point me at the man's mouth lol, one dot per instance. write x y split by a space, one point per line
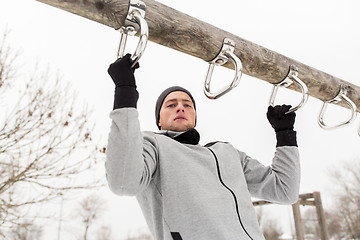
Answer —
180 118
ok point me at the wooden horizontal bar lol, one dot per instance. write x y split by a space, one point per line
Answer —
306 202
179 31
306 196
260 202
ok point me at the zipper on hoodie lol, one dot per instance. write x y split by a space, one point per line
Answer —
229 189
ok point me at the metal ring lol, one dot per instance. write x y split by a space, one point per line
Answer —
225 54
134 21
144 35
339 98
291 78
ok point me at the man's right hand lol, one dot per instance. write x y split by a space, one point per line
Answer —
121 72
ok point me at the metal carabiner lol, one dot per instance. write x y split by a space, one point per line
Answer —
341 96
292 77
133 22
226 53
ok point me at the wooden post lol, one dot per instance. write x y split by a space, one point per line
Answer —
299 228
189 35
320 216
307 199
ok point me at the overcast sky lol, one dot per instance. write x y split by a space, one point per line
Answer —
322 34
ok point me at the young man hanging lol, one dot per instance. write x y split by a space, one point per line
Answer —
186 190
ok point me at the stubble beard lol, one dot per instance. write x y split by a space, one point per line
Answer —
182 128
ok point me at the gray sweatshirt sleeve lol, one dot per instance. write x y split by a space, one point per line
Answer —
277 183
131 158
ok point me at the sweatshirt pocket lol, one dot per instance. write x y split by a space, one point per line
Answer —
176 236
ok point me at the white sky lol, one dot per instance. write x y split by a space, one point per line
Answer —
322 34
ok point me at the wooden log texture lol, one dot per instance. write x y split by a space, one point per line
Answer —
189 35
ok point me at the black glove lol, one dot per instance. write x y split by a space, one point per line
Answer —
283 124
279 120
122 75
121 72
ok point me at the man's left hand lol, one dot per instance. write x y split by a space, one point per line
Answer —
279 120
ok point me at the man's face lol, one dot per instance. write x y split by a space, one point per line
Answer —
177 112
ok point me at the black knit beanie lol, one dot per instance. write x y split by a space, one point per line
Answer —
162 97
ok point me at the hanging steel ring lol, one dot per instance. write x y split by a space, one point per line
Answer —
144 35
133 22
225 54
291 78
341 97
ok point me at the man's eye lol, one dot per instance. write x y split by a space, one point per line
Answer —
171 105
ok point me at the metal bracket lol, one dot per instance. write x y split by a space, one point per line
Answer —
340 97
134 21
291 78
226 53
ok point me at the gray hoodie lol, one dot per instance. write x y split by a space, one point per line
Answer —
195 192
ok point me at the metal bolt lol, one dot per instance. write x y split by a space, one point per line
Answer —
220 61
130 28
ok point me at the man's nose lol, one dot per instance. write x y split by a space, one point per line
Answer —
180 108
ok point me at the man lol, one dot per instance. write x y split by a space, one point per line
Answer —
186 190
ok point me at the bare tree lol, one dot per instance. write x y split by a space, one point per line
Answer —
260 214
310 223
271 230
269 226
26 231
104 233
141 236
346 211
333 226
90 209
46 148
7 59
